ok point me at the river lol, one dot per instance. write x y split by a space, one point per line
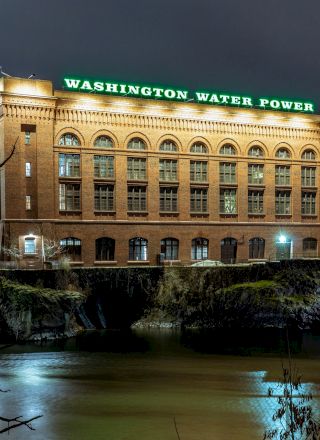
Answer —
145 385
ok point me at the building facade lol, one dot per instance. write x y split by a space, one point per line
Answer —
122 181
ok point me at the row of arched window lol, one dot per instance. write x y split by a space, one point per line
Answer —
169 248
227 149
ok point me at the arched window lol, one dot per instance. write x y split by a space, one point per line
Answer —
69 139
310 247
105 249
256 248
199 147
170 248
228 250
72 248
256 151
283 153
103 142
227 150
199 249
168 145
137 144
308 155
138 249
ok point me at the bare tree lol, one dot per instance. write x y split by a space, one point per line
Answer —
294 418
2 164
13 251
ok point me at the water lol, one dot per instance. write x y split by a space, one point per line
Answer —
134 385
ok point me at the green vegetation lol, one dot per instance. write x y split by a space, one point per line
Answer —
26 310
200 298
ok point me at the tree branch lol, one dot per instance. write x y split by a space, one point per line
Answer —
10 155
19 423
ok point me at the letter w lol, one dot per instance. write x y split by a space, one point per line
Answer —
72 83
286 104
202 96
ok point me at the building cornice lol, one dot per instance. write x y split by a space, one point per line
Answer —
48 109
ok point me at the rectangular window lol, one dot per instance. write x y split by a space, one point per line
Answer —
29 245
28 203
255 202
104 197
228 201
137 168
308 176
137 198
227 172
168 170
27 137
255 174
198 171
69 197
282 175
198 200
168 199
103 167
28 169
308 203
283 202
69 165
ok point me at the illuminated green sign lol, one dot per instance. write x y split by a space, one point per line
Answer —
173 94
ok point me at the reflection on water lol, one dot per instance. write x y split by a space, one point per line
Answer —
130 385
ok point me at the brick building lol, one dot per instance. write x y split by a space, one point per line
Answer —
118 180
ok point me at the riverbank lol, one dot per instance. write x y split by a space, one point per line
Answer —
55 303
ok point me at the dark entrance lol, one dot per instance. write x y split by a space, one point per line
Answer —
228 250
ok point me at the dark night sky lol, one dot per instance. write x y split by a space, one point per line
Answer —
245 46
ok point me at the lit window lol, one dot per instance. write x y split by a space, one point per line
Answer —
309 155
169 248
72 248
28 169
199 249
228 150
308 176
28 203
282 175
168 146
168 199
103 142
138 249
283 153
137 198
199 148
27 137
227 172
255 202
283 202
199 200
104 197
103 166
255 174
69 165
69 139
198 171
168 169
137 144
136 168
69 197
228 201
29 245
308 203
256 151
